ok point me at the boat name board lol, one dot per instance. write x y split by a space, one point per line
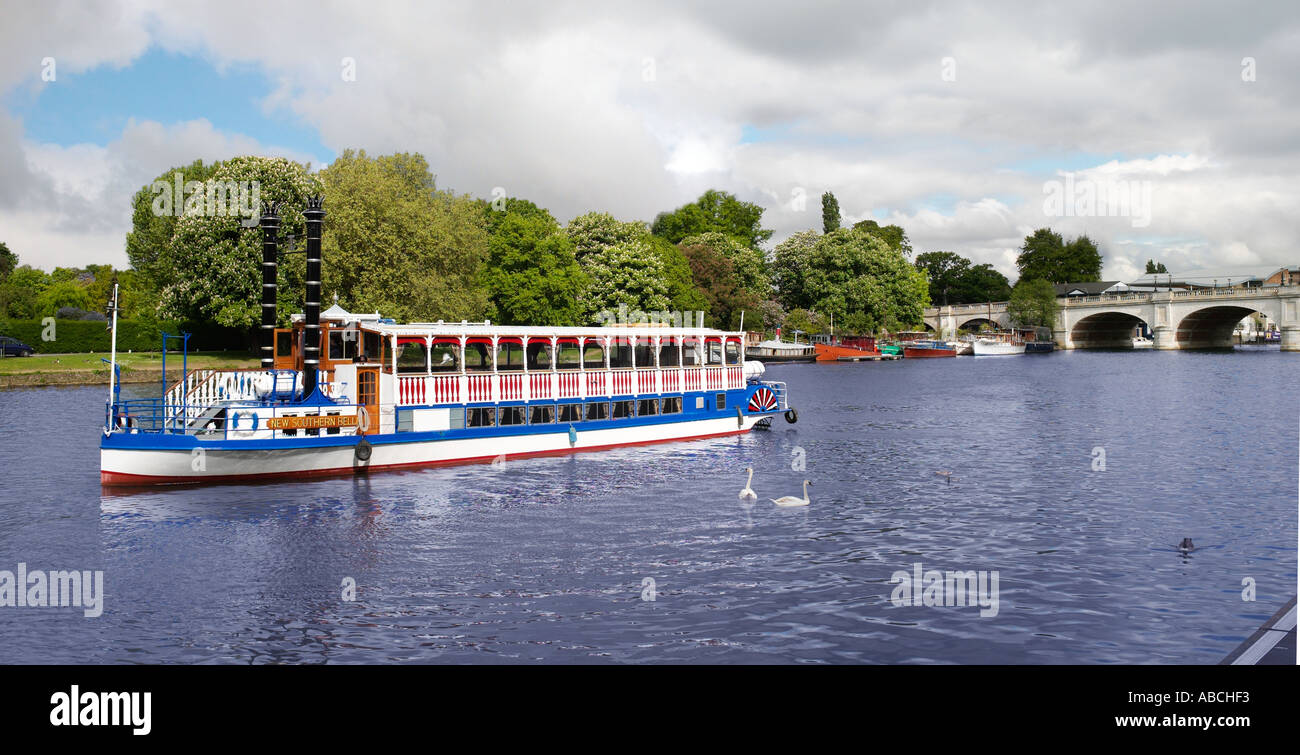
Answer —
312 422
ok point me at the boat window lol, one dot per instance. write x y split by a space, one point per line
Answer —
569 356
478 358
510 356
343 344
647 406
597 410
480 416
673 405
620 354
645 353
669 353
733 351
542 415
570 412
372 346
622 409
593 356
539 355
713 350
411 357
722 401
512 415
691 352
446 356
284 343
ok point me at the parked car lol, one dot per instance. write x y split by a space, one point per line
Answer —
12 347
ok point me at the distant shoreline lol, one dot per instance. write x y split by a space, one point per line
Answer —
82 377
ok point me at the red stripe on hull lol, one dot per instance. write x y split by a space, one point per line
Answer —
123 479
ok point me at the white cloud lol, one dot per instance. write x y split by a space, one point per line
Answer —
554 103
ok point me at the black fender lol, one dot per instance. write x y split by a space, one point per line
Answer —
792 415
363 450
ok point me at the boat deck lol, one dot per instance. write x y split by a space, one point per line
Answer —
1273 644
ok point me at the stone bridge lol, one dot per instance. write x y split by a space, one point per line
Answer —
1178 319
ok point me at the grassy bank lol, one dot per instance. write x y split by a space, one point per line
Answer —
87 369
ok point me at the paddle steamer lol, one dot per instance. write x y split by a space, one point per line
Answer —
340 393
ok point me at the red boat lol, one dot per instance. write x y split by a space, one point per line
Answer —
924 349
851 346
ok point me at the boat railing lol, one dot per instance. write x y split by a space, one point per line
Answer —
197 392
224 420
779 390
548 385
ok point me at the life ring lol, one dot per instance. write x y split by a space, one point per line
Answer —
235 422
791 415
362 450
363 421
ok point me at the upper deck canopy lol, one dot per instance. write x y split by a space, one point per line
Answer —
422 329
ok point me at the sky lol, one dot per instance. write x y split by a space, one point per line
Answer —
969 124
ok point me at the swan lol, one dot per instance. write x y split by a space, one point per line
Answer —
789 500
748 492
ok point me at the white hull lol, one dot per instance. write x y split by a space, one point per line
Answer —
998 348
1143 343
125 466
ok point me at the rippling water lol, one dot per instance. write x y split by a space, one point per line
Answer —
545 560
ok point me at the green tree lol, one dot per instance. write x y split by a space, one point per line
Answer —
20 292
396 243
1153 268
1045 255
748 264
715 211
981 283
718 281
209 269
830 213
790 262
62 294
620 263
153 224
532 274
683 295
855 271
894 236
1032 304
803 321
8 261
944 271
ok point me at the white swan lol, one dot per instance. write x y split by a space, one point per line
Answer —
748 492
789 500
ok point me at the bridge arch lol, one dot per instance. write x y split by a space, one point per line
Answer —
1211 327
975 323
1112 329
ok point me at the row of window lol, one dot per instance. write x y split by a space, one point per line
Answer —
589 411
477 357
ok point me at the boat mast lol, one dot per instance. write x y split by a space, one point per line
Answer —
112 365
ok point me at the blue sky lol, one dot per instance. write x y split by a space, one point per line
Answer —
93 107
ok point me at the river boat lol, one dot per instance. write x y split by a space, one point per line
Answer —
343 394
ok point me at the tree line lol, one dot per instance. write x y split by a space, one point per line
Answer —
397 243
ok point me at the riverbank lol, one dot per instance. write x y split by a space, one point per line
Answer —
89 369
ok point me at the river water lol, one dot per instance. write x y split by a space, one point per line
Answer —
551 560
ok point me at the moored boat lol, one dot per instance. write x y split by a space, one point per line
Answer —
344 394
782 351
928 349
999 343
1141 342
847 349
